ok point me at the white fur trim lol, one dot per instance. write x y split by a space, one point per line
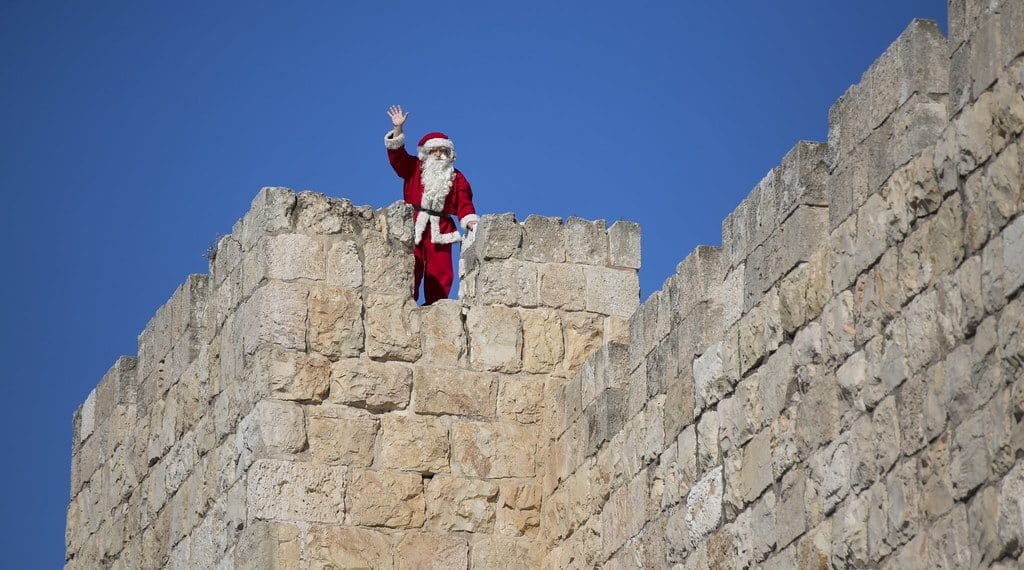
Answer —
422 220
422 151
447 238
393 141
468 218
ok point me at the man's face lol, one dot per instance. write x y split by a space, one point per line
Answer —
439 153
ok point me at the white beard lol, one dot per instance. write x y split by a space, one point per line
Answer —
437 175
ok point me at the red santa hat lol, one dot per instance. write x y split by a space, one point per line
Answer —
434 140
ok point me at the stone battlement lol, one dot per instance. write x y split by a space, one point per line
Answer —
838 385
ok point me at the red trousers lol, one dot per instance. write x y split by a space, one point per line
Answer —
434 268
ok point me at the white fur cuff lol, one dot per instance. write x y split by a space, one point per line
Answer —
393 141
468 218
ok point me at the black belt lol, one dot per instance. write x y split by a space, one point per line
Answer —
431 212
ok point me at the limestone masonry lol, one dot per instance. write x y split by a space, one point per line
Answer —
840 384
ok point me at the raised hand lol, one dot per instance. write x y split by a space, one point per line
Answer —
397 116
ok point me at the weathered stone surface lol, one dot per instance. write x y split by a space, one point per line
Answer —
704 505
385 498
272 429
624 244
293 375
495 339
625 513
444 338
543 240
295 256
344 268
495 552
275 314
387 266
562 286
493 450
586 241
348 441
509 282
614 292
348 547
414 444
498 236
335 322
522 399
376 386
457 504
455 392
543 346
433 551
518 509
392 327
285 490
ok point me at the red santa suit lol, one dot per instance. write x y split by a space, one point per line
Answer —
435 201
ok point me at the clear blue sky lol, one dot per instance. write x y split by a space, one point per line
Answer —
134 133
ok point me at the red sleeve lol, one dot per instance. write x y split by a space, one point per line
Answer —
403 162
464 203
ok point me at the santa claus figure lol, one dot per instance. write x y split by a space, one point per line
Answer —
437 191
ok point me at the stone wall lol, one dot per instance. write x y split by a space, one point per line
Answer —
840 384
295 408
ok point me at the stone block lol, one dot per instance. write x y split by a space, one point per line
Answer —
340 440
509 282
498 236
344 268
518 509
387 265
392 327
740 414
624 245
348 547
269 213
493 450
434 551
414 444
562 286
625 513
586 241
709 378
817 415
709 448
1013 256
335 322
273 429
583 335
385 498
704 506
677 468
921 400
444 338
510 553
455 392
294 256
457 504
285 490
375 386
522 399
275 314
543 346
543 241
496 338
614 292
274 544
315 213
974 135
802 177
